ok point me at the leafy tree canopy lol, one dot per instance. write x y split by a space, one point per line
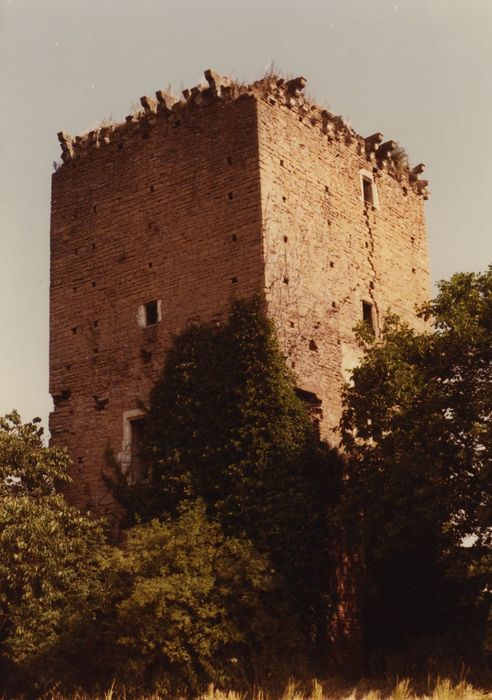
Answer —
193 612
52 559
417 431
26 466
177 606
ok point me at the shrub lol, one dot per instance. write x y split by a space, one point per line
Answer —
193 603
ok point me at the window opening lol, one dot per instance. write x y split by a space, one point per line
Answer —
369 193
132 456
138 468
368 315
367 189
149 314
313 406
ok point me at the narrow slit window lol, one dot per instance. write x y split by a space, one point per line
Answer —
367 190
369 194
151 315
132 457
368 315
138 468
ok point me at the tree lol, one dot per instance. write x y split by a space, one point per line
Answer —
53 564
193 605
225 425
417 433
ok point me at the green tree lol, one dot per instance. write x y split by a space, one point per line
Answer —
225 425
193 606
417 433
176 607
53 564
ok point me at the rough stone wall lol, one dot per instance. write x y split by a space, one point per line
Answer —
326 250
231 191
168 212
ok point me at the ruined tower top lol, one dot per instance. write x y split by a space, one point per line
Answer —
380 154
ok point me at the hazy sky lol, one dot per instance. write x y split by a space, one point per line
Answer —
417 70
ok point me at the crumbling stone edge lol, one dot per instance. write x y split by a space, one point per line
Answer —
381 155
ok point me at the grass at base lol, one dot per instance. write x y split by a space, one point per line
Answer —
443 689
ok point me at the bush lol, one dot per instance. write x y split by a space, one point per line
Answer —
193 604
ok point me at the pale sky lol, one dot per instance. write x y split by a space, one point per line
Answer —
419 71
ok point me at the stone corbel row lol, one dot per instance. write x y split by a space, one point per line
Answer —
382 155
74 147
163 104
275 90
218 87
421 186
291 93
167 105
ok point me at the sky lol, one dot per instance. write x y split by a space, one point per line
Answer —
416 70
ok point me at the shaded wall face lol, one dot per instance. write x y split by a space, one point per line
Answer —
172 218
327 252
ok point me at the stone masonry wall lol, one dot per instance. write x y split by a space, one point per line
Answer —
231 191
326 250
170 212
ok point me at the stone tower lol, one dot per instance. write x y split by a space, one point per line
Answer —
233 190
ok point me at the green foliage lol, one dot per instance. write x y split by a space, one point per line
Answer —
52 561
178 606
225 425
192 606
417 429
225 570
26 467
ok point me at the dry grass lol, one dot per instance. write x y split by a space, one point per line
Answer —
443 689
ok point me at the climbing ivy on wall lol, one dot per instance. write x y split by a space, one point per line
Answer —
225 425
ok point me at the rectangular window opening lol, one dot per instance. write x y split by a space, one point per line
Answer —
368 315
313 405
132 456
367 190
369 194
149 314
138 467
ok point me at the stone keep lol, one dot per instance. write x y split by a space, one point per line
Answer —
233 190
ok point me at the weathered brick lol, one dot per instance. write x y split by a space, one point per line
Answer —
239 190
